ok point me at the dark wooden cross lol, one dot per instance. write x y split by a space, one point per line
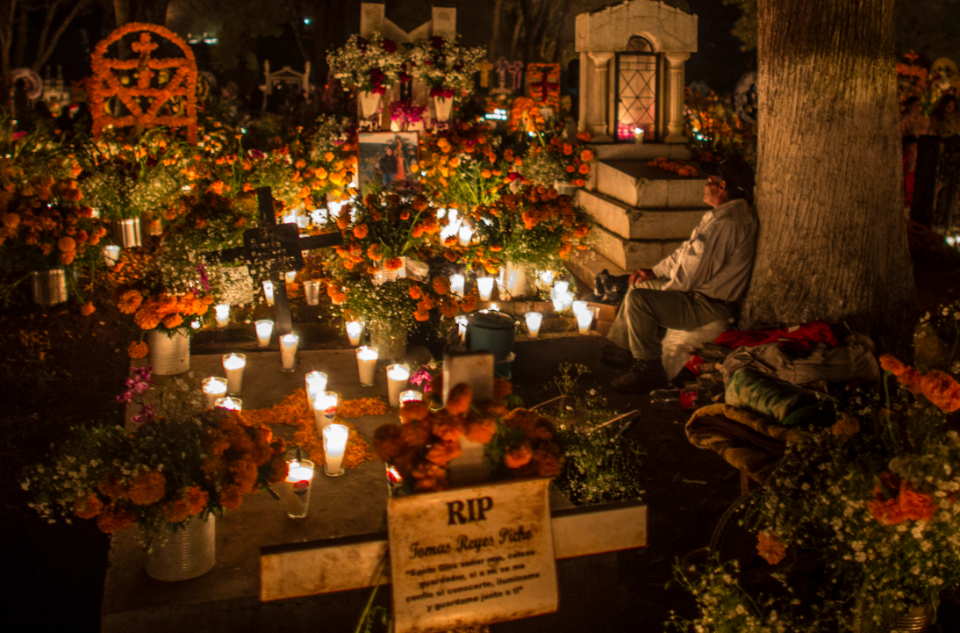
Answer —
276 249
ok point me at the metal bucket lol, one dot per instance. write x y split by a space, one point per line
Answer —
491 331
49 286
169 355
127 232
186 553
916 620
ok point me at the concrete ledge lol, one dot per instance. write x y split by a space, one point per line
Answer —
585 265
630 255
637 185
633 223
641 151
540 358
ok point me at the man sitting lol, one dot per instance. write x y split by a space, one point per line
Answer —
698 284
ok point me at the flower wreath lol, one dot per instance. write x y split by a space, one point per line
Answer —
106 82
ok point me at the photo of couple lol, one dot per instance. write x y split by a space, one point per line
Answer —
389 158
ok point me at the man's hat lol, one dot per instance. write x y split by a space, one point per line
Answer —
735 172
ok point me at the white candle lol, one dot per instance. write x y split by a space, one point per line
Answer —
311 292
494 307
316 383
462 327
233 365
298 484
457 284
367 363
214 388
233 404
397 376
485 286
289 219
566 299
533 323
354 330
288 351
578 306
264 331
584 320
223 314
557 304
268 292
290 276
334 445
561 287
547 277
411 395
325 409
465 234
111 254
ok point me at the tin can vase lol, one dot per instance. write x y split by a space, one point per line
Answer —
186 553
917 619
127 232
443 107
49 286
389 339
369 102
169 354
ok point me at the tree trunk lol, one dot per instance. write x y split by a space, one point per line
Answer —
495 36
832 242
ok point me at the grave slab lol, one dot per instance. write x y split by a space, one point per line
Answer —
637 185
639 224
631 254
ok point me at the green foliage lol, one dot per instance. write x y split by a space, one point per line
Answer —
745 29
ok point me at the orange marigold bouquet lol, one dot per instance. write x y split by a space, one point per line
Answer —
877 500
179 461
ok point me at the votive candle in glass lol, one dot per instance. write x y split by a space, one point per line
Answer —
465 234
584 320
233 365
578 306
298 483
214 388
547 277
311 292
485 286
290 276
223 314
561 287
111 254
264 331
268 292
411 395
534 319
462 327
457 284
354 330
334 446
233 404
397 376
316 383
566 299
367 363
288 351
325 409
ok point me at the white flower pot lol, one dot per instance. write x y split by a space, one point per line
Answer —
369 102
169 355
186 553
49 286
443 108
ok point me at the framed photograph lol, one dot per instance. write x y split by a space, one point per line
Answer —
390 158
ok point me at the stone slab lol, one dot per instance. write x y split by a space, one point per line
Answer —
631 254
586 265
637 185
639 224
640 151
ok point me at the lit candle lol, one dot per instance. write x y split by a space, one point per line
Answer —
557 304
397 376
111 254
494 307
233 365
298 483
214 388
561 287
584 320
288 351
354 330
638 134
533 323
466 234
233 404
456 284
485 286
289 219
290 276
316 383
268 292
367 363
566 299
311 291
547 277
223 314
264 331
411 395
461 327
334 445
578 306
325 409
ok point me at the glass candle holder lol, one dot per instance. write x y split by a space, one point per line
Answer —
561 287
111 255
223 314
354 330
547 277
233 365
334 446
290 276
233 404
485 287
325 409
311 292
457 283
584 321
298 483
268 292
264 332
410 395
214 388
534 319
316 382
578 306
397 377
367 364
465 234
288 351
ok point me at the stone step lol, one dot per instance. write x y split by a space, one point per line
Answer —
639 224
630 255
637 185
642 151
586 265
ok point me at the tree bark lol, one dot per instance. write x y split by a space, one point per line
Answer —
832 241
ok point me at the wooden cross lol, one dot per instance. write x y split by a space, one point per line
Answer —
276 248
516 70
485 68
502 66
543 91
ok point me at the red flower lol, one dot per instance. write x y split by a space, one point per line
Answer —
388 45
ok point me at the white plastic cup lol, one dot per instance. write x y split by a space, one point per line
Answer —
233 365
325 410
485 287
457 283
214 388
268 292
367 364
311 291
233 404
264 332
334 446
111 255
534 319
223 314
288 351
298 483
397 377
354 330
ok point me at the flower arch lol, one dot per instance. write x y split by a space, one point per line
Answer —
145 98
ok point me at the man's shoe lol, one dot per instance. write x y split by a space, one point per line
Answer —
644 376
615 356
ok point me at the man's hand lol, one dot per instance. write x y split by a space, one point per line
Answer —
641 275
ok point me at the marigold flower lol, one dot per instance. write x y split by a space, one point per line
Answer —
481 431
176 511
172 321
87 507
459 399
770 548
449 307
360 231
892 364
584 168
586 155
115 518
518 455
137 350
147 487
130 301
421 316
441 285
415 292
394 263
231 497
942 390
387 443
88 308
198 498
442 453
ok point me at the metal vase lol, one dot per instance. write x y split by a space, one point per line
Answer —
127 232
916 620
369 102
443 106
169 355
186 553
389 339
49 286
